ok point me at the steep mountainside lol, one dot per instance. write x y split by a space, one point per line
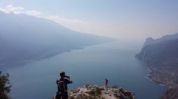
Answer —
161 55
171 93
25 38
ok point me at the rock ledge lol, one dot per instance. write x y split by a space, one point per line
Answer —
96 92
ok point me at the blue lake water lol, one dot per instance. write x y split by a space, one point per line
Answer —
90 65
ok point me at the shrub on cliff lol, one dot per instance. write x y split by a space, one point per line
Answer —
4 86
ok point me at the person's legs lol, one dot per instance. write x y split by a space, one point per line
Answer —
58 96
65 95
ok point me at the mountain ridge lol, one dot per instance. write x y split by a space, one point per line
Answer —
26 38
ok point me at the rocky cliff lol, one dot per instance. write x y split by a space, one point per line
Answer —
171 93
161 55
96 92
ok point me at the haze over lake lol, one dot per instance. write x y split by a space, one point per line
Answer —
124 41
90 65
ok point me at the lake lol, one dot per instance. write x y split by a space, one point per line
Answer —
90 65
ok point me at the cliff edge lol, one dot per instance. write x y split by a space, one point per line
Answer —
96 92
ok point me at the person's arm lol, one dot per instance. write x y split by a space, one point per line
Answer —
68 81
67 77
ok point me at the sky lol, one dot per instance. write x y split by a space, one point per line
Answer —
121 19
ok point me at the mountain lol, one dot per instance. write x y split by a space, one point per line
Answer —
161 52
165 38
161 55
25 38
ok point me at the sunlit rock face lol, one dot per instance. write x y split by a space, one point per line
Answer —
96 92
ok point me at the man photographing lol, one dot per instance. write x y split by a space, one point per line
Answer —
62 83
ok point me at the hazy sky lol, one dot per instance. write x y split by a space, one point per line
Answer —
123 19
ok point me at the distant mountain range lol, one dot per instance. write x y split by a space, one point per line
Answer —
26 38
161 55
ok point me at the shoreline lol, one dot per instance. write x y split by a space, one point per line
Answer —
151 80
150 77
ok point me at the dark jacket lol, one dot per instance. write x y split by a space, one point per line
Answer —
62 84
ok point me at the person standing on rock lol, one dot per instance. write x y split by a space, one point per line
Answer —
62 83
106 84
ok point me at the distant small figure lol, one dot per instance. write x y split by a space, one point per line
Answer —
62 83
106 84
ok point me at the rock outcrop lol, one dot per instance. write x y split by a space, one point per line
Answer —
96 92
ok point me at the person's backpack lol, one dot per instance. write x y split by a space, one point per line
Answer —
62 86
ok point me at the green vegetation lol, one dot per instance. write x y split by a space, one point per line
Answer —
4 86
